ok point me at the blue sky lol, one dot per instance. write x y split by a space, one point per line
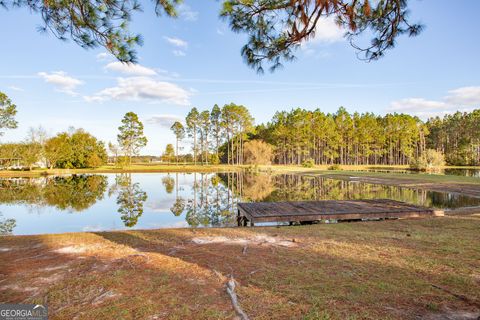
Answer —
195 61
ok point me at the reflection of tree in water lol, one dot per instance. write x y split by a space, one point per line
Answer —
256 187
26 191
6 225
130 199
169 183
292 187
76 192
178 206
211 202
73 193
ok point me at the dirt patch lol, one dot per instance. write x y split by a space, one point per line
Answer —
71 249
50 279
257 240
15 287
453 315
55 268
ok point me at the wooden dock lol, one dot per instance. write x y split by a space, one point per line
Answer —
344 210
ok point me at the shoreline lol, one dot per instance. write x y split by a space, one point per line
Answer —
152 168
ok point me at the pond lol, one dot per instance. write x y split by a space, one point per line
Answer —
75 203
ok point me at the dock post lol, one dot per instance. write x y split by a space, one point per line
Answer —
239 219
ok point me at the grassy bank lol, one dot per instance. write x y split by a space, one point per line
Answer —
139 168
136 168
406 269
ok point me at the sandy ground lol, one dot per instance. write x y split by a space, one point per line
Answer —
403 269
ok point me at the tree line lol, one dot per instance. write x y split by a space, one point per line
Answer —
344 138
228 135
219 134
298 136
75 148
457 136
71 149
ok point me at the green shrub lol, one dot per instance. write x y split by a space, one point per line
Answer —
430 160
335 167
214 159
308 163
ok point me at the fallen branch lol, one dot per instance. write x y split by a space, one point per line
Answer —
244 251
255 271
233 296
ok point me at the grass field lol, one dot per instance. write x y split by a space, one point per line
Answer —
404 269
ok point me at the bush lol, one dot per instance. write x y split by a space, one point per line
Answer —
258 152
308 163
94 161
430 160
335 167
214 159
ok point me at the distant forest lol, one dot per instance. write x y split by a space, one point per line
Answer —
340 138
297 137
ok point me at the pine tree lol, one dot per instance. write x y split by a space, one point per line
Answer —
179 132
131 138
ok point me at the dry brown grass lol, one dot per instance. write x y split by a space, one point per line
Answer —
374 270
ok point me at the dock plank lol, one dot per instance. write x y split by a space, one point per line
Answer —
300 211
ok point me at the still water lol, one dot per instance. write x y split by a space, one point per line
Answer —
157 200
474 173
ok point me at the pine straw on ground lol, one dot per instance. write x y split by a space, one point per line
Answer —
404 269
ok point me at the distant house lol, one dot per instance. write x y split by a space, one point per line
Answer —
11 163
17 164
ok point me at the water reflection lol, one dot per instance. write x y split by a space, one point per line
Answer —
463 172
212 203
474 173
169 183
105 202
73 193
6 225
291 187
130 199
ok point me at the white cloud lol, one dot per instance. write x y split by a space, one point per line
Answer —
177 42
102 56
143 88
62 81
161 206
130 69
314 53
179 53
328 31
164 120
15 88
185 12
462 99
464 96
417 104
